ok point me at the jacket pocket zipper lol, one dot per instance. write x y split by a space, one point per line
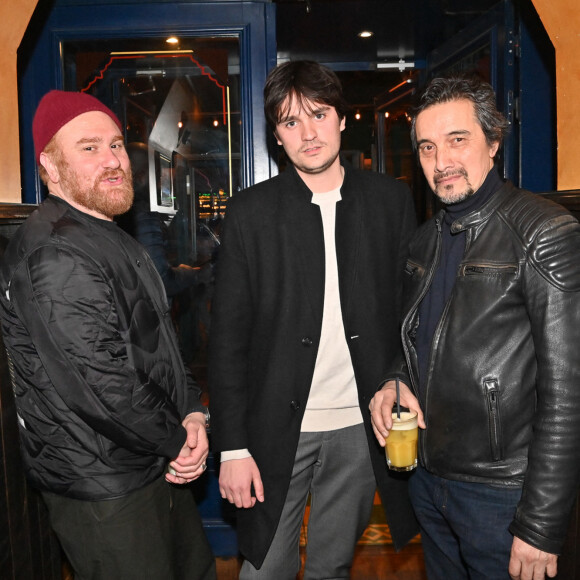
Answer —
471 269
492 394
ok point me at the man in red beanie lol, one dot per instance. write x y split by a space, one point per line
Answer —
110 421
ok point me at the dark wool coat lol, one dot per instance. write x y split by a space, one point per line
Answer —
266 324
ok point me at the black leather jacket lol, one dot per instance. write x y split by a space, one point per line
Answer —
100 387
502 392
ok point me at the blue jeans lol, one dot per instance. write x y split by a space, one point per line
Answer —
464 527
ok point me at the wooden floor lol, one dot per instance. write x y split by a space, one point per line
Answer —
370 563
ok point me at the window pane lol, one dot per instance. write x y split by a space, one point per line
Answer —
181 109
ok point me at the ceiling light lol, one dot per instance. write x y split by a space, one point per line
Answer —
365 34
172 40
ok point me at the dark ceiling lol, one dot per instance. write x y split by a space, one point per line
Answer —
327 31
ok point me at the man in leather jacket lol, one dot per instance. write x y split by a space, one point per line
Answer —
104 401
490 332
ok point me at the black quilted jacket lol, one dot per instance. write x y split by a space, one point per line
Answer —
99 384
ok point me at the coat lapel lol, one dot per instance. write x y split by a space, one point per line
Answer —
302 225
349 227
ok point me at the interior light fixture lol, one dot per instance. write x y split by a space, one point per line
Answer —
401 84
365 34
154 52
172 40
357 115
401 65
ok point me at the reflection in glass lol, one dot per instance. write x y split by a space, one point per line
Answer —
183 107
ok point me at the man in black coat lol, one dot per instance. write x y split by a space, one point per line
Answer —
304 325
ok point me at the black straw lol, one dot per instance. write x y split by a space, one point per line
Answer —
398 400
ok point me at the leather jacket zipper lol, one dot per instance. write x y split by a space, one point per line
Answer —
490 269
492 395
412 310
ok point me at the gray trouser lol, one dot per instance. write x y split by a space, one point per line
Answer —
335 468
154 533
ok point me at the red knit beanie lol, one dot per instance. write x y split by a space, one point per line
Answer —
56 109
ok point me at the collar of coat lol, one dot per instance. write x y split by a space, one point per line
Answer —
303 191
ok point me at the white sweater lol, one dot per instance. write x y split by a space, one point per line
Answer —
333 400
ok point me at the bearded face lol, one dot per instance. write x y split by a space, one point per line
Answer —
453 150
109 201
447 192
86 164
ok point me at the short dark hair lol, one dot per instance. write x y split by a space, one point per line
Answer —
472 88
301 80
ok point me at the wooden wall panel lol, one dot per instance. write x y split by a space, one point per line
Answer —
28 548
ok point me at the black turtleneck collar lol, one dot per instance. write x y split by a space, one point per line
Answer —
490 185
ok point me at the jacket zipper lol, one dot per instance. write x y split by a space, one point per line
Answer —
413 309
470 269
492 395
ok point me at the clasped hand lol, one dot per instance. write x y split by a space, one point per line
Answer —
191 461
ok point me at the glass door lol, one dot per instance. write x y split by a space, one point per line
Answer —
181 113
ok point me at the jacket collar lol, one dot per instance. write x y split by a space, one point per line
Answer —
483 213
303 191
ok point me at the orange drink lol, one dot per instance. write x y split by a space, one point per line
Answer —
401 444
